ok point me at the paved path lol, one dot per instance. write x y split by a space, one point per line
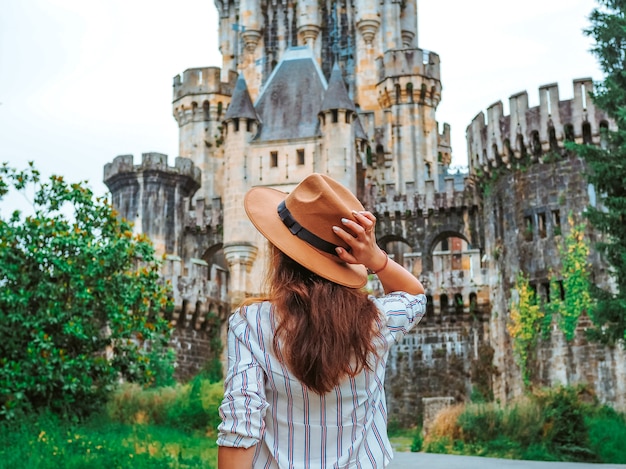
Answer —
444 461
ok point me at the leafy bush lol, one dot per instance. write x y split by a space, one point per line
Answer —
79 303
565 432
192 406
561 424
607 434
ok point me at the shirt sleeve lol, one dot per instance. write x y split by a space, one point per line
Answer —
244 404
402 312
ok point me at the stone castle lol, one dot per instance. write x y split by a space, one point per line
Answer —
342 88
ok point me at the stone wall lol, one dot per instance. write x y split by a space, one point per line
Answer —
439 358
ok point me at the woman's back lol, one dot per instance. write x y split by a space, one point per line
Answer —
301 428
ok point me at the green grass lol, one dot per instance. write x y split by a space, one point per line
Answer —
47 442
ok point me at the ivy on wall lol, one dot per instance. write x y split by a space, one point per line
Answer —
525 323
531 317
576 286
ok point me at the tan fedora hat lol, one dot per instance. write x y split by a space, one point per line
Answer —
300 224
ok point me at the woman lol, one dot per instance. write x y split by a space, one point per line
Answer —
304 387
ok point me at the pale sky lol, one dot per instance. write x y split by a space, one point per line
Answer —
82 81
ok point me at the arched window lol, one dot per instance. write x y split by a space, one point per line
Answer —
398 90
587 139
430 306
409 91
521 147
206 109
554 144
443 303
423 92
473 303
604 136
569 132
536 143
458 303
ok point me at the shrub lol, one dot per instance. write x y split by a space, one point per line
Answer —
79 303
607 434
565 432
188 407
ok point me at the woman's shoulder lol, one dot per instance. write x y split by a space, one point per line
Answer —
251 314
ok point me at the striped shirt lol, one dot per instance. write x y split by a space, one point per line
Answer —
293 427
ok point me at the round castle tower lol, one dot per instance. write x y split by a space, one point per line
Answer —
154 196
535 187
199 104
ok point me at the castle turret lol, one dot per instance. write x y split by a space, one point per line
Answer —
199 103
409 93
241 122
154 196
337 116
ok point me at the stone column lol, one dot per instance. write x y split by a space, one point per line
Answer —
240 257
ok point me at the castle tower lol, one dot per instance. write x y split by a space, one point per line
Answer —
154 196
535 187
408 142
199 104
240 249
339 158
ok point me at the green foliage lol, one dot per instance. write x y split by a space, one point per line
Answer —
192 406
564 429
606 168
576 284
531 319
561 424
524 325
607 433
79 304
47 442
418 441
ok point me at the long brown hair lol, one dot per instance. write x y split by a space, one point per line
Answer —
325 331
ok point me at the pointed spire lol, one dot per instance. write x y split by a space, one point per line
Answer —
241 104
359 132
336 96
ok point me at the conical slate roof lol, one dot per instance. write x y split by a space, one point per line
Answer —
241 103
336 96
358 130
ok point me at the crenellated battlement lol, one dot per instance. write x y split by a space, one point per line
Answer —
535 132
408 62
452 197
203 80
124 165
409 76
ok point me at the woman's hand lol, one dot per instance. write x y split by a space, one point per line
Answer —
359 234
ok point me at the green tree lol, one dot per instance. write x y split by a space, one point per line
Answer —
80 300
607 164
